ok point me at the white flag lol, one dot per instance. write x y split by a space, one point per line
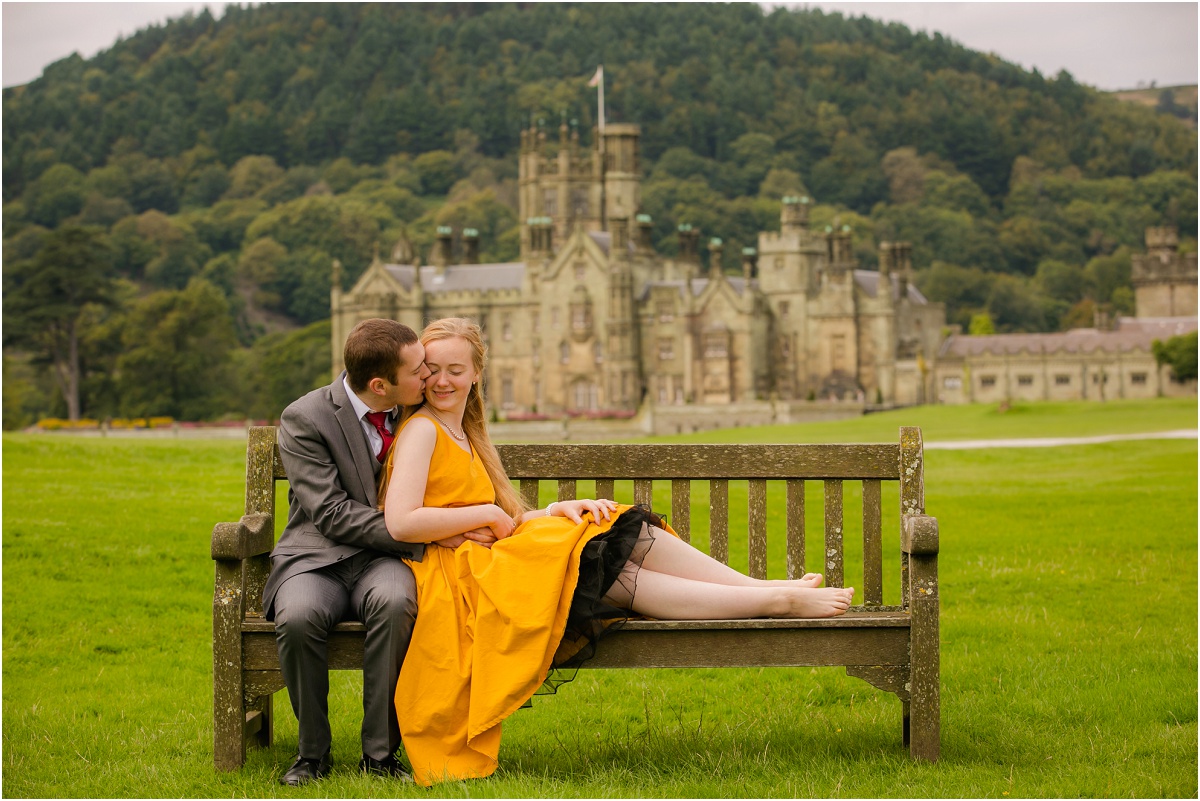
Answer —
598 77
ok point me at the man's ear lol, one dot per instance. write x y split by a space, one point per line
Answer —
377 385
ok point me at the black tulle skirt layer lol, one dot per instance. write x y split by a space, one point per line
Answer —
613 558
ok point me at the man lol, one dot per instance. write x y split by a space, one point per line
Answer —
335 560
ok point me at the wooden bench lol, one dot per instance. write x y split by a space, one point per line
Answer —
893 647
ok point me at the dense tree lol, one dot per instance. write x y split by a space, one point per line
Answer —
46 299
175 358
283 366
1179 353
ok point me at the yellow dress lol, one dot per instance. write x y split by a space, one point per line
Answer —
488 624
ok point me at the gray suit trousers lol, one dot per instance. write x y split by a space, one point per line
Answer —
379 591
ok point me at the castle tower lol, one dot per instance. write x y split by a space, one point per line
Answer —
572 186
1164 282
622 172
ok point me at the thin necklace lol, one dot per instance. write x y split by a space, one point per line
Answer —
450 430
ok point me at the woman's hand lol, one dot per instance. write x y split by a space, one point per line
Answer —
499 522
574 510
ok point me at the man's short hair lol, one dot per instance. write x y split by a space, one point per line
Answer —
373 351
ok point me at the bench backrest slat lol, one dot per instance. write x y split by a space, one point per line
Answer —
795 528
756 517
872 543
643 492
718 520
834 556
681 508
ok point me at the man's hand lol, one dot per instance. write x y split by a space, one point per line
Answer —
481 536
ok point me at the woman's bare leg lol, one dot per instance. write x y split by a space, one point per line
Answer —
674 557
670 597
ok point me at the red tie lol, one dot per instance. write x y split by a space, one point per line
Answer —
378 419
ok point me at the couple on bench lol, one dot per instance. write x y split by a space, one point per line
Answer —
400 515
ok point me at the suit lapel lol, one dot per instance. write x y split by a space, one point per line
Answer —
355 439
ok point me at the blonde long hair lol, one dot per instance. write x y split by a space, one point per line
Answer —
474 420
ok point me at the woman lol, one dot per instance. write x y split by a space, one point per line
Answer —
492 621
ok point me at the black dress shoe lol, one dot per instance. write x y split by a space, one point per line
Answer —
305 770
389 766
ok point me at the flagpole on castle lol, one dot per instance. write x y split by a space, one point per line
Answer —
598 81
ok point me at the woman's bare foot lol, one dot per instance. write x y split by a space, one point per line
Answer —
809 602
809 580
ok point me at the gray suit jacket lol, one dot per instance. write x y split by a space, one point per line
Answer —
332 477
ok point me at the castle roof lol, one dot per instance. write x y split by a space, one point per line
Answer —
697 285
868 280
1131 334
460 277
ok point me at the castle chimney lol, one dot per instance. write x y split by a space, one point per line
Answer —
793 218
903 263
470 246
442 251
887 255
645 233
839 249
715 249
749 263
688 237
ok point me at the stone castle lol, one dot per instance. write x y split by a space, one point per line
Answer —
1113 359
592 321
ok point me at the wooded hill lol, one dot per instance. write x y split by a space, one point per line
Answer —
199 177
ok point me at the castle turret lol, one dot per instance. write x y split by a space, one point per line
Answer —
1164 280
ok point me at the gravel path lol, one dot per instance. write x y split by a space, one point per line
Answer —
1053 442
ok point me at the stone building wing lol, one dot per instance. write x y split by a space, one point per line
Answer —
1132 334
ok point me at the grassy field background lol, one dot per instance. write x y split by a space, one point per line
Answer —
1069 648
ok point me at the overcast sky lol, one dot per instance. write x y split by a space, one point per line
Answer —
1106 45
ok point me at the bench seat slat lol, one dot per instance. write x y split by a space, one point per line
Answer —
857 617
779 647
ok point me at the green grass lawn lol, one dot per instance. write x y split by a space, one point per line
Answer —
1069 647
977 421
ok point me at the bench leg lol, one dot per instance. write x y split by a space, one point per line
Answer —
905 724
925 694
229 711
265 734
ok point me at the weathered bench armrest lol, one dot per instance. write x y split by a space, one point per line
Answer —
919 535
251 536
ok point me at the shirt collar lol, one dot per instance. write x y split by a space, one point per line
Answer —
360 408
